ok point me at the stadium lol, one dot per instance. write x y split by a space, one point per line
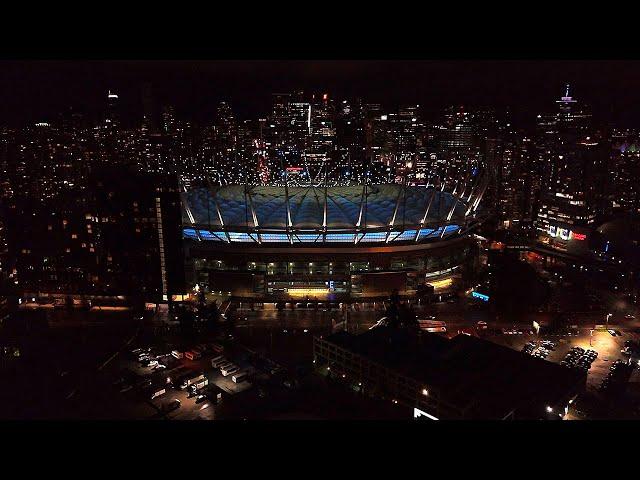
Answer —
265 243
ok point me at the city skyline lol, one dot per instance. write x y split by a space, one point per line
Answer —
195 87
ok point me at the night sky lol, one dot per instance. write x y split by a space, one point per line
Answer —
32 91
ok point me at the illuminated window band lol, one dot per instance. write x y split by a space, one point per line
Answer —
369 237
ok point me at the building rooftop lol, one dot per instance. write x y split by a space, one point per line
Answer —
488 379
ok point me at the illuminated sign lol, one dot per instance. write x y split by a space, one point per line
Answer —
481 296
294 169
563 233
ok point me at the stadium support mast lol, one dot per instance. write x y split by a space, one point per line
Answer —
286 198
213 192
395 211
247 194
404 201
324 207
478 189
363 200
426 212
466 184
183 196
483 188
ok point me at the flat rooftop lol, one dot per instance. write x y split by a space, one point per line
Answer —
489 379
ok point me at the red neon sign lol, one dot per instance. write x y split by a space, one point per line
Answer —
579 236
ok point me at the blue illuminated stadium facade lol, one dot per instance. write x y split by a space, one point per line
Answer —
322 241
312 215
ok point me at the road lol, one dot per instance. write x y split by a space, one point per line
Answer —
457 314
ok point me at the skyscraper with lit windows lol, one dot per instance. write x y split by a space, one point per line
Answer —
571 158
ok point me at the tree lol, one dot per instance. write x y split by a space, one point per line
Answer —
186 318
407 317
202 301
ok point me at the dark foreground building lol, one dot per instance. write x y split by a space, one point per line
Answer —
138 217
462 378
118 240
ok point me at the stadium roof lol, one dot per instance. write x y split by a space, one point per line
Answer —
237 208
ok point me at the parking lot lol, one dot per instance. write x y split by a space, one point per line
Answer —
157 384
607 346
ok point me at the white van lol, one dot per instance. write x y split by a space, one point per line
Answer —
239 377
225 364
229 370
215 361
193 355
191 381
